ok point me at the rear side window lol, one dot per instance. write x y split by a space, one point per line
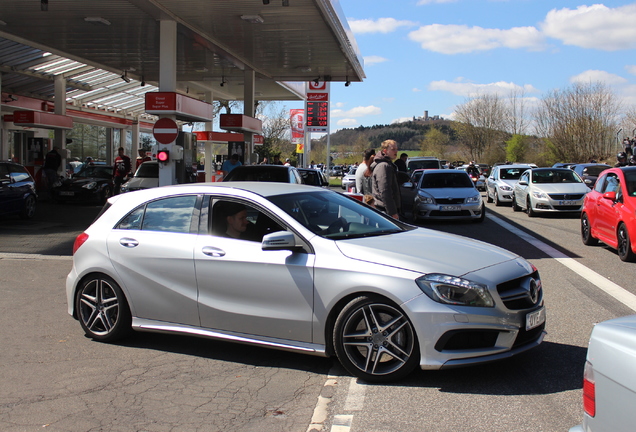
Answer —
172 214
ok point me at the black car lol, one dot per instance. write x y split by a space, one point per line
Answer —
92 184
265 173
313 177
589 172
17 191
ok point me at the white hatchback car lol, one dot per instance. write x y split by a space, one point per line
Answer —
549 190
305 269
501 181
146 176
609 378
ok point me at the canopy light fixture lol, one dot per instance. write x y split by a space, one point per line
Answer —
223 82
125 76
97 20
285 3
143 81
44 5
253 19
317 81
265 2
347 83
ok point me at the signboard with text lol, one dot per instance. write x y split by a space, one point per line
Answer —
317 107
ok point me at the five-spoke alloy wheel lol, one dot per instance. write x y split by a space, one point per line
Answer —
102 309
375 341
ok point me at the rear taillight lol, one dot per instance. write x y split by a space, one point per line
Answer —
79 241
589 390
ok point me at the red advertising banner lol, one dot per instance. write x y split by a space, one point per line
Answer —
297 118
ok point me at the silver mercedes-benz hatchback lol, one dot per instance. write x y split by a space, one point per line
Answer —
300 268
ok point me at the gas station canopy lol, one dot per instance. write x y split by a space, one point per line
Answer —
108 50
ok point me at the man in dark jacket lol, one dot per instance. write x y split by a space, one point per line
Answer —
121 169
52 162
386 190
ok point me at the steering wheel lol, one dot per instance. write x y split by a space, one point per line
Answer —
338 225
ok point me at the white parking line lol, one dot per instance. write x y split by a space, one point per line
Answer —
601 282
35 256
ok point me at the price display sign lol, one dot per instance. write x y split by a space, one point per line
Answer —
317 114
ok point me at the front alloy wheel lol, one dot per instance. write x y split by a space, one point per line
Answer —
586 231
28 210
375 340
102 309
624 244
531 213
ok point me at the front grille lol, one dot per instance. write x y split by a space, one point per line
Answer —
437 213
449 200
524 337
517 293
570 197
567 208
467 340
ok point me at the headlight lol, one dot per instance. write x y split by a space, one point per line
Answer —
90 186
539 195
424 199
505 188
455 290
473 199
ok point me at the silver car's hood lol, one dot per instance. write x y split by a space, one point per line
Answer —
562 188
423 250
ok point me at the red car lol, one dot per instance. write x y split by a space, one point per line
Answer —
609 212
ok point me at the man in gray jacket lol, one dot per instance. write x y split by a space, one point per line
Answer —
386 190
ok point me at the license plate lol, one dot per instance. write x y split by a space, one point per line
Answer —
66 193
535 319
449 208
567 203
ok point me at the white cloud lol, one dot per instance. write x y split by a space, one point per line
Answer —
356 112
596 26
347 122
402 120
466 89
598 75
631 69
371 60
381 25
416 90
339 104
456 39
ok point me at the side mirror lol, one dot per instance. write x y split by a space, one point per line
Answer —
610 196
408 185
280 240
523 182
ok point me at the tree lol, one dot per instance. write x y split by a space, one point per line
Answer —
481 122
435 143
579 122
516 148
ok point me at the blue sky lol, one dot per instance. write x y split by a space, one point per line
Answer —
434 54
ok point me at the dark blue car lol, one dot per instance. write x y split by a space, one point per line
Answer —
17 191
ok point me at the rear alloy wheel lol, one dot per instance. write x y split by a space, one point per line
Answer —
29 208
531 213
624 244
102 309
586 231
375 341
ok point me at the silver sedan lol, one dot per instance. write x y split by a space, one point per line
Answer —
501 182
549 190
305 269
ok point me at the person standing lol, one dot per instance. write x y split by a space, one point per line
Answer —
230 164
143 157
401 162
121 169
386 191
52 163
363 173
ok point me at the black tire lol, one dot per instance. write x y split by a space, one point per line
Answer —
496 199
107 192
515 207
586 231
483 215
488 199
625 252
529 211
102 309
368 326
28 210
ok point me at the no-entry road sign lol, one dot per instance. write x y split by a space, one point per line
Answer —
165 130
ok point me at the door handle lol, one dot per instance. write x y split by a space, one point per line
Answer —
128 242
213 251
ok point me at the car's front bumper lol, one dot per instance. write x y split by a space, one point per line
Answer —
442 212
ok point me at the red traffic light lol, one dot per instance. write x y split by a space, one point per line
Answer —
163 156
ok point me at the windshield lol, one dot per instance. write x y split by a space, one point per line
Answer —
335 216
148 170
511 173
446 180
96 172
555 176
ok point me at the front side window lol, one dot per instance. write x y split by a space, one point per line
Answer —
240 220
